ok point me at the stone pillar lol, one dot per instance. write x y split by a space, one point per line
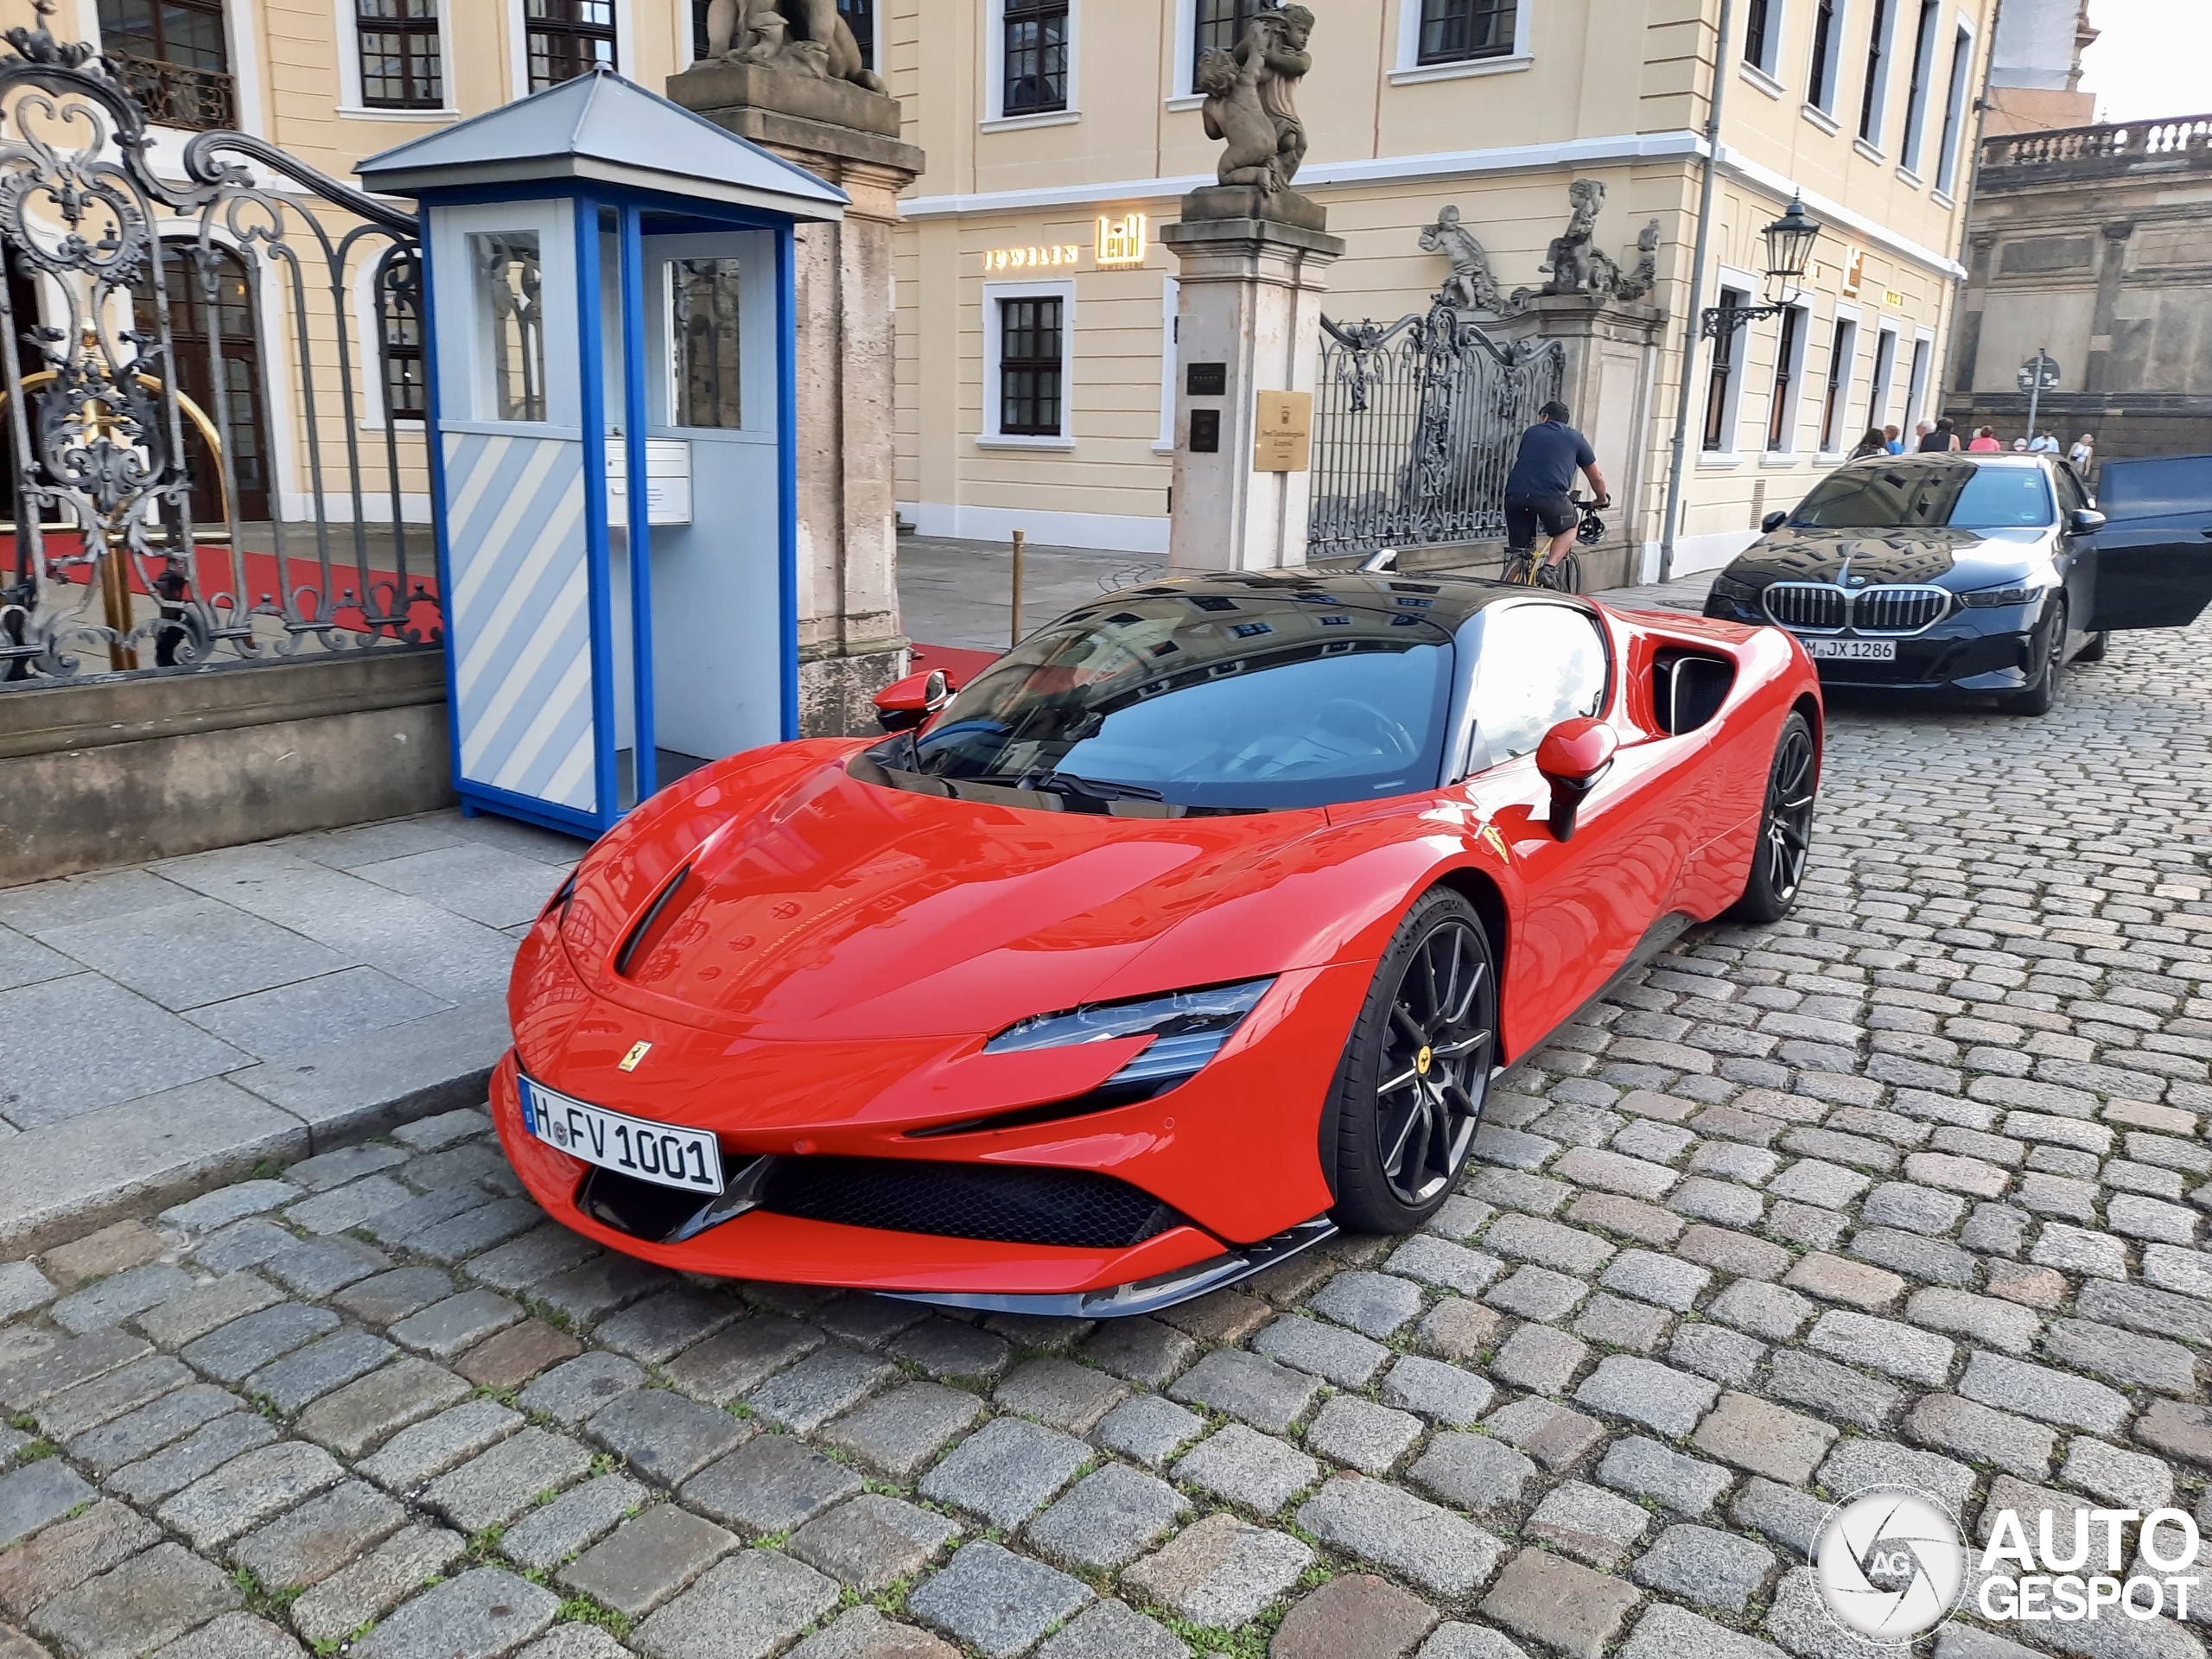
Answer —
850 642
1612 348
1249 322
2096 369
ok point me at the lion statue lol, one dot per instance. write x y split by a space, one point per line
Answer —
810 36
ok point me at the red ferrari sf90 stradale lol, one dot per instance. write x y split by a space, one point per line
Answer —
1189 931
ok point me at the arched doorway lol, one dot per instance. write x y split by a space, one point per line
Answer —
237 410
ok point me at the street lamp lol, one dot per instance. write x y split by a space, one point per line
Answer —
1789 241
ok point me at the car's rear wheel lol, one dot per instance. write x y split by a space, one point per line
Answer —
2042 694
1409 1093
1793 786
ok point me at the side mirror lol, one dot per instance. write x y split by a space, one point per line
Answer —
907 703
2087 521
1573 756
1773 522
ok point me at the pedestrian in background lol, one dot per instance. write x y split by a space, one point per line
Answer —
2045 444
1939 439
1876 443
2019 445
1892 441
2083 452
1985 441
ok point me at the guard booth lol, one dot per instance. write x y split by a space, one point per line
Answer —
611 345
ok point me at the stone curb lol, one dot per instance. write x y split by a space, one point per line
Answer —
141 1156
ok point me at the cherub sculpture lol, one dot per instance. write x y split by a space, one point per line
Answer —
1251 99
1574 263
808 35
1471 286
1634 284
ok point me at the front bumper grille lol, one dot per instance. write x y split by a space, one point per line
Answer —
997 1203
1823 607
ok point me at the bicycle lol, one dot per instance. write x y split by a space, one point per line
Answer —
1523 565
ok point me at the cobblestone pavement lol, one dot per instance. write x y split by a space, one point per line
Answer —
1907 1189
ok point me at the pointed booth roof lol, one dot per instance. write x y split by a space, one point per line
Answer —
601 129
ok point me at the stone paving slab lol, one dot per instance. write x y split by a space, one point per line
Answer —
1908 1189
250 1007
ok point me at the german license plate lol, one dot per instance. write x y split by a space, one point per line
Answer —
1852 651
660 1152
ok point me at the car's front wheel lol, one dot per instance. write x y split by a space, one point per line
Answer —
1409 1093
2041 694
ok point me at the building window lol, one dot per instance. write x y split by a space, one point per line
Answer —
568 38
1781 414
1916 392
1947 162
406 385
1843 351
1915 102
1820 81
1885 371
1220 25
1036 56
859 14
400 55
173 58
1875 99
1721 388
1031 366
1455 31
1762 34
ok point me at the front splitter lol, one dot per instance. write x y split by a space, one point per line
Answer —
1145 1295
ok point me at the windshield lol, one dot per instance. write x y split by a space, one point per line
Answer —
1905 495
1204 703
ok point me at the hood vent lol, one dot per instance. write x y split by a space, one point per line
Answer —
653 924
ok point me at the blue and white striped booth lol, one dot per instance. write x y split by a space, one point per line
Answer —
609 300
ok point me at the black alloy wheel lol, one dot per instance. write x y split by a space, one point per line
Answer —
1785 843
2041 694
1409 1095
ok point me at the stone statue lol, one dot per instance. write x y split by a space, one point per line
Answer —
809 36
1251 99
1636 284
1471 286
1574 263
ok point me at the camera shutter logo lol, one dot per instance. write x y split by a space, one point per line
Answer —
1889 1564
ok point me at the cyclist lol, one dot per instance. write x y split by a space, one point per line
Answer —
1536 491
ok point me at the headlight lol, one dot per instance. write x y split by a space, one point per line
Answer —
1188 1029
1991 599
1742 592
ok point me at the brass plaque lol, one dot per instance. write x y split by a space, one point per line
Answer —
1284 440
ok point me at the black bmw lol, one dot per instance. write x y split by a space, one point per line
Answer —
1968 573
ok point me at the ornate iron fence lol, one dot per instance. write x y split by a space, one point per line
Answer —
200 347
1415 428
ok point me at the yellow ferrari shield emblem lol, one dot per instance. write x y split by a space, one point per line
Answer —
638 1052
1423 1060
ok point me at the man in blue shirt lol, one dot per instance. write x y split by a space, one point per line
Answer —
1536 490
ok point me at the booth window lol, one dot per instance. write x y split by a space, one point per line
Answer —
703 310
859 15
509 286
1030 367
1036 56
1455 31
400 60
173 58
399 313
568 38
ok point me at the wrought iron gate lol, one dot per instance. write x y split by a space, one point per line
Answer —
1415 428
112 566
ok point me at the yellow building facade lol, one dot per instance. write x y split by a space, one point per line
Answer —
1037 344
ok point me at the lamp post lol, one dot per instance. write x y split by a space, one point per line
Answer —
1789 241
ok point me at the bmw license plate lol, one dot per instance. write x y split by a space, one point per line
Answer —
1852 651
660 1153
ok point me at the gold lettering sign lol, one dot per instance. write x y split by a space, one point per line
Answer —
1893 298
1121 241
1284 437
1057 256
